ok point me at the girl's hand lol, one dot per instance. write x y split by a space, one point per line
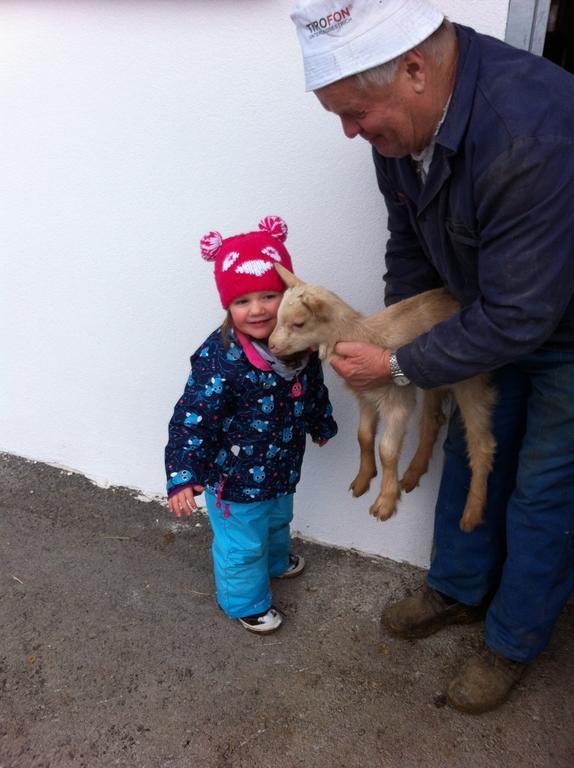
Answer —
184 501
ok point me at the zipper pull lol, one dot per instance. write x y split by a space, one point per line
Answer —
296 389
219 492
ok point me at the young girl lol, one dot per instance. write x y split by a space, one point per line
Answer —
238 431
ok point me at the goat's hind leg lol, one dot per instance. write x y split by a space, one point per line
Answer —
369 419
476 398
432 418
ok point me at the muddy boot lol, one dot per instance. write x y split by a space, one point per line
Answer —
427 611
484 682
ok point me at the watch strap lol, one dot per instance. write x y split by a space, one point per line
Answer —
397 374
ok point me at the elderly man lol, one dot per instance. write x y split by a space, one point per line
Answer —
473 144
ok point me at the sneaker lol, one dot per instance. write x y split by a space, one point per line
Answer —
296 566
261 623
484 682
427 611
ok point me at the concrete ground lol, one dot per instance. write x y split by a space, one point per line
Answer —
112 652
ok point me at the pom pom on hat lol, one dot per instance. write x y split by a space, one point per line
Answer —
275 226
210 245
245 263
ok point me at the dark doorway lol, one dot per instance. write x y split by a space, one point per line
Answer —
559 40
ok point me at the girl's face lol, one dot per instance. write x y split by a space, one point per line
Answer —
255 314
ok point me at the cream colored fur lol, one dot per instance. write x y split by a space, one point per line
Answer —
311 317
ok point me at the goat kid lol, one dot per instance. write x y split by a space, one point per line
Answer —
311 317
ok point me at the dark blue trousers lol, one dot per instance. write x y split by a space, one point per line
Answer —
523 553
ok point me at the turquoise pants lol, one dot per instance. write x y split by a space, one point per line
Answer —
251 544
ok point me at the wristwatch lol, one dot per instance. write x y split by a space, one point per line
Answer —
397 375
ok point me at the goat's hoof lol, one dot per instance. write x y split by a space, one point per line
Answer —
410 480
360 485
468 522
383 508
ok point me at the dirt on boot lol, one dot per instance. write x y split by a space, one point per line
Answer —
484 682
426 612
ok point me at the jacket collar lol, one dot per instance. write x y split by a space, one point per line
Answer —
453 129
250 352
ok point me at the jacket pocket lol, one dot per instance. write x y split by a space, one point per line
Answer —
465 243
462 235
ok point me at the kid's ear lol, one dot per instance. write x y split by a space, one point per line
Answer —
288 277
316 306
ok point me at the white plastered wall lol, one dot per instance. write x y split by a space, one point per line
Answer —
129 129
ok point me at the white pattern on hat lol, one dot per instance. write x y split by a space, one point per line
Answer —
339 38
273 253
255 267
229 260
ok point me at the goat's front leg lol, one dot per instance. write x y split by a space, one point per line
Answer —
369 419
396 417
476 398
432 418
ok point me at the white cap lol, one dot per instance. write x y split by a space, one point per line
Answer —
339 39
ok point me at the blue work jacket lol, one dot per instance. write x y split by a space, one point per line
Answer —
494 221
239 428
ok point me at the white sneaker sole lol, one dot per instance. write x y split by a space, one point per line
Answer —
263 629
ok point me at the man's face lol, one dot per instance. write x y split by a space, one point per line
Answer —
396 119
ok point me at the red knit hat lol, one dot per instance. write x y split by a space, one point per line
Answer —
244 263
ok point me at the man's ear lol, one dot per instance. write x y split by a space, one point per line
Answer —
415 68
288 277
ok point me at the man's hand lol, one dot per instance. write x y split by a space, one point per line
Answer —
362 365
184 501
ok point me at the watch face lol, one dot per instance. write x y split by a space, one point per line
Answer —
401 380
